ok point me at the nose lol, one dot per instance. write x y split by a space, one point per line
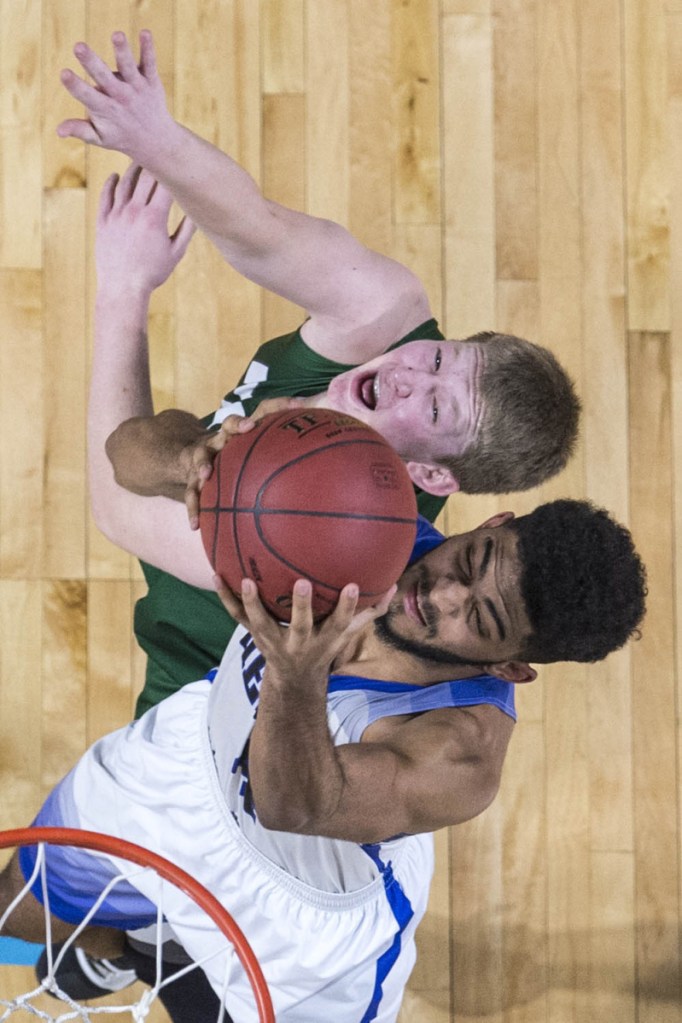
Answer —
449 596
403 381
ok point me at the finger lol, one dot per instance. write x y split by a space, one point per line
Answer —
230 425
201 470
147 56
259 619
182 236
192 506
301 608
377 610
107 196
128 184
77 129
91 98
100 72
342 615
125 62
217 441
230 601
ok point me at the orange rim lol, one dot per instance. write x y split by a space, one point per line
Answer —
170 872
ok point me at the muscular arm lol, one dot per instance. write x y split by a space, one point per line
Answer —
359 301
411 775
134 256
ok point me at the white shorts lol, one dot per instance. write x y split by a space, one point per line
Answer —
325 955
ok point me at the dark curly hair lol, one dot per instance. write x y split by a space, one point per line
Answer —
531 413
582 582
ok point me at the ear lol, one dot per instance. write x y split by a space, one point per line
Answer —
517 672
497 520
434 479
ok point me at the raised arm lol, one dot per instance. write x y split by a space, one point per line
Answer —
411 776
134 255
315 263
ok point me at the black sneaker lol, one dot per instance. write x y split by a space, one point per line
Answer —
81 976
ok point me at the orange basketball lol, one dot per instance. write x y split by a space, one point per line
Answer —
311 494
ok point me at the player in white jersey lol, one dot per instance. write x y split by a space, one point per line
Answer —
310 819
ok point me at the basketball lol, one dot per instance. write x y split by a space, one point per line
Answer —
311 494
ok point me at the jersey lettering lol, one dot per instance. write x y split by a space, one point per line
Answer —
253 666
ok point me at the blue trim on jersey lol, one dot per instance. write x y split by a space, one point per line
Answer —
467 692
403 913
338 683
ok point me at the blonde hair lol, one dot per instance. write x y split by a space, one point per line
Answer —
530 418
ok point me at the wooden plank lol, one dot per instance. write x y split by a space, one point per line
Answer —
523 798
647 176
610 945
467 175
21 402
63 24
284 182
568 838
477 915
560 326
20 698
417 148
428 995
64 362
327 96
283 33
516 212
604 383
674 124
64 670
110 694
466 7
654 695
419 246
371 125
20 142
220 100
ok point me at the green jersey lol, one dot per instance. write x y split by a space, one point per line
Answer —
184 630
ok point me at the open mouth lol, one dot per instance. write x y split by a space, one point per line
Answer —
368 391
412 605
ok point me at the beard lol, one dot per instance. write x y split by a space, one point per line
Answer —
422 651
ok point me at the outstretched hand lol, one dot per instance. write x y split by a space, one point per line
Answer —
133 247
303 651
126 109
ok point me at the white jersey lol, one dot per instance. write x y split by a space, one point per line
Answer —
331 922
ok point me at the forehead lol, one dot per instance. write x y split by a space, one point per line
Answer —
493 550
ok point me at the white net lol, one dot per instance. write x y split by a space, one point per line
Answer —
143 1003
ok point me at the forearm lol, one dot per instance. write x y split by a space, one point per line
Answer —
296 255
119 384
153 529
293 767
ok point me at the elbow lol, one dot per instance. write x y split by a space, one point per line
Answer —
281 815
278 810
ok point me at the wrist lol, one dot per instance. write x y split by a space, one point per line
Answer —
130 297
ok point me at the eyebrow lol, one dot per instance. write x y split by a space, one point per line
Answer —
487 601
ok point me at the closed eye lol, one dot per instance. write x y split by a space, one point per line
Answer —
436 366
